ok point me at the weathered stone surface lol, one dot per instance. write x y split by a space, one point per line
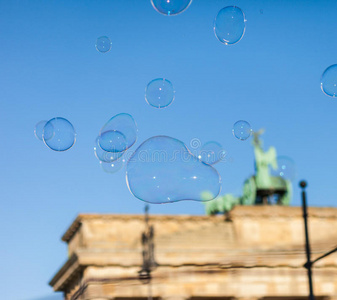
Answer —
255 253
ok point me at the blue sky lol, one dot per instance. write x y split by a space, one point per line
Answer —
50 68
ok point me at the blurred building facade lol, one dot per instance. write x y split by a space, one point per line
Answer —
254 252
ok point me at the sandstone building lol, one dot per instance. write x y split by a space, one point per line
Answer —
255 252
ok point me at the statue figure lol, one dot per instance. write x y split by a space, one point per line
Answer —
261 188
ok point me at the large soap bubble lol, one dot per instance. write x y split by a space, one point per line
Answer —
105 156
59 134
286 168
242 130
159 93
103 44
163 170
329 81
229 25
123 124
211 153
170 7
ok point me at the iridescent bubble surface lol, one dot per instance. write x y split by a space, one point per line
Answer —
104 155
170 7
124 124
103 44
112 167
286 168
38 130
159 93
59 134
112 141
242 130
211 153
163 170
329 81
229 25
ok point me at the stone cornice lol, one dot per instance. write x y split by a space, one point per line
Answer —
237 212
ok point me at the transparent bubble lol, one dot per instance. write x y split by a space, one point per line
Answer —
124 124
286 168
329 81
242 130
230 25
103 44
163 170
112 141
112 167
104 155
59 134
211 153
170 7
38 130
159 93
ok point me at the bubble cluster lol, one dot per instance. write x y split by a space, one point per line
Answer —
159 93
123 125
103 44
286 168
242 130
329 81
163 170
211 153
170 7
112 141
230 25
59 134
105 156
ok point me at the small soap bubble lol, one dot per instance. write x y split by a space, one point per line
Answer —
163 170
230 25
112 167
104 155
124 124
329 81
59 134
211 153
38 130
103 44
159 93
112 141
242 130
170 7
286 168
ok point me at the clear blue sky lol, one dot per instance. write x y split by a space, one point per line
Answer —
50 67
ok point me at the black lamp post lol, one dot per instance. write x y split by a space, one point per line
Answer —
308 265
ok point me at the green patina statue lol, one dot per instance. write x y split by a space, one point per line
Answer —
261 188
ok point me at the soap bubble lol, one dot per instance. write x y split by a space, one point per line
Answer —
123 124
242 130
38 130
103 44
211 153
229 25
112 141
104 155
112 167
329 81
159 93
59 134
170 7
163 170
286 168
